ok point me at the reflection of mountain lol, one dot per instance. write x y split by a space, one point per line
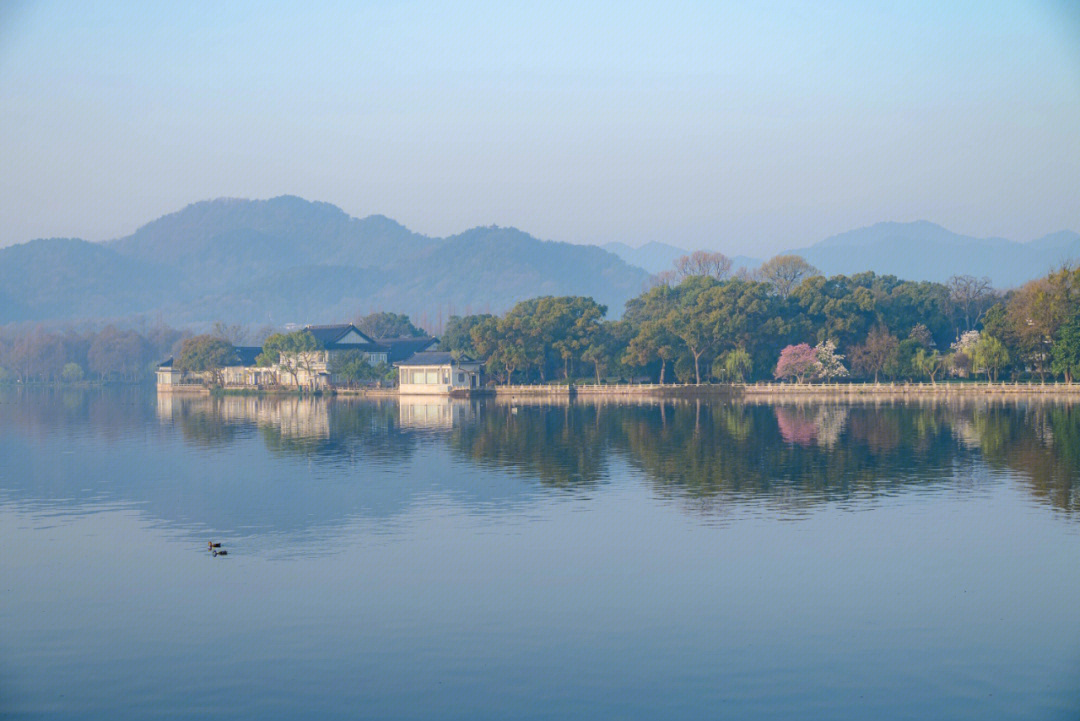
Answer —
303 467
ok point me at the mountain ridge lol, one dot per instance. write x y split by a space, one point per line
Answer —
922 250
221 259
287 259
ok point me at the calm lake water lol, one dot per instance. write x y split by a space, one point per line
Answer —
472 560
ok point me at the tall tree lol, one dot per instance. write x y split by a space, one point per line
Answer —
291 352
990 356
388 325
796 361
971 297
704 263
784 273
929 363
205 354
457 337
873 356
1066 353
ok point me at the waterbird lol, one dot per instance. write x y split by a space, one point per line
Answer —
222 552
211 544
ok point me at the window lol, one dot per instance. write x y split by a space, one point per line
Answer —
460 377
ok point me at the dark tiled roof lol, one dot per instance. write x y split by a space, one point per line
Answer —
329 335
402 348
366 347
434 358
245 355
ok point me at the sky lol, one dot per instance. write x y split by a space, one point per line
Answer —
741 127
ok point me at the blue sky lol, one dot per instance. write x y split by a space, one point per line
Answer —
747 128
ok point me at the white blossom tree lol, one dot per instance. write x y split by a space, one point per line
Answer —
830 363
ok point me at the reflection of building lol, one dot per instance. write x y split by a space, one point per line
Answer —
420 413
437 373
294 417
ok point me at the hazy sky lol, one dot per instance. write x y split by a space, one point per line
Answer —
745 127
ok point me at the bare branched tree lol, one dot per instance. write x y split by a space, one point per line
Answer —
785 272
971 297
235 334
664 277
702 262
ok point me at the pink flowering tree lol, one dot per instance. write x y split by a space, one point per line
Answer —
796 361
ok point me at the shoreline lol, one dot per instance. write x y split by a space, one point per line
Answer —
742 391
752 392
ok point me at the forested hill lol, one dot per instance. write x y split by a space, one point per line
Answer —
288 260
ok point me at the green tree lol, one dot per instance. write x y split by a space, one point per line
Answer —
929 363
736 365
835 308
990 356
205 354
457 337
602 349
72 373
291 352
1066 350
388 325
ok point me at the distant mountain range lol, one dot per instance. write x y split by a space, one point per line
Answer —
913 251
925 251
289 260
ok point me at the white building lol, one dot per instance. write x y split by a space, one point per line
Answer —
437 373
310 369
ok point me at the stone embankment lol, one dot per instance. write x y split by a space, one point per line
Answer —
788 392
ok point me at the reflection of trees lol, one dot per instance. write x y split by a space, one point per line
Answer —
792 455
560 445
1041 443
110 414
788 456
707 454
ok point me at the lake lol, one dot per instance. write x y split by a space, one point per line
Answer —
478 560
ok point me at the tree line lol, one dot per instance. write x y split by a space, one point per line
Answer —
700 323
131 354
110 354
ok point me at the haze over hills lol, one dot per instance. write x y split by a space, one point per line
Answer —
289 260
919 250
924 251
